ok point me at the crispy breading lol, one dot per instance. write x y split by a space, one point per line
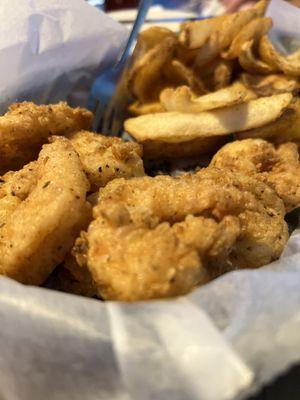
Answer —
49 210
70 277
279 167
106 158
27 126
134 262
157 237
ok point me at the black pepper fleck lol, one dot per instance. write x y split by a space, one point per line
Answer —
46 184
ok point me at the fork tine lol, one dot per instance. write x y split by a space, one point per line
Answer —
98 118
117 124
94 107
107 120
105 113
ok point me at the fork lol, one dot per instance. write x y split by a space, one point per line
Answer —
113 98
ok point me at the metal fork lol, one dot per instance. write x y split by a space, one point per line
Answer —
113 98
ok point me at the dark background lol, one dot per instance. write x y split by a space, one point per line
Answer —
117 4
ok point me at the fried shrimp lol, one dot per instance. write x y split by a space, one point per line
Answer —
27 126
106 158
134 262
47 209
279 167
162 236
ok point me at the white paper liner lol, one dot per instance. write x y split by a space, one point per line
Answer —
52 50
81 348
222 341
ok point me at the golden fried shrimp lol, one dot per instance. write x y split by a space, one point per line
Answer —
279 167
48 210
131 262
14 187
27 126
162 236
106 158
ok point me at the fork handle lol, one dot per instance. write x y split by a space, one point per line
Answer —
144 6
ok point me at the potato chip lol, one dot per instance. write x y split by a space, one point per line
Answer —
145 80
179 127
186 75
185 55
221 37
194 34
182 99
254 30
261 7
250 63
137 108
232 26
149 38
154 35
271 56
208 52
222 74
267 85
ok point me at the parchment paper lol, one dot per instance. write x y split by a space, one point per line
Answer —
223 341
52 50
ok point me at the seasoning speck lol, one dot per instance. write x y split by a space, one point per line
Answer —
46 184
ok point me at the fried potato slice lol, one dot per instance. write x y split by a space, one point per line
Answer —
52 209
223 72
185 55
270 84
272 57
185 75
226 27
106 158
194 34
27 126
149 38
180 127
137 108
286 128
155 149
254 30
220 39
147 242
182 99
279 167
251 64
216 74
145 79
208 52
